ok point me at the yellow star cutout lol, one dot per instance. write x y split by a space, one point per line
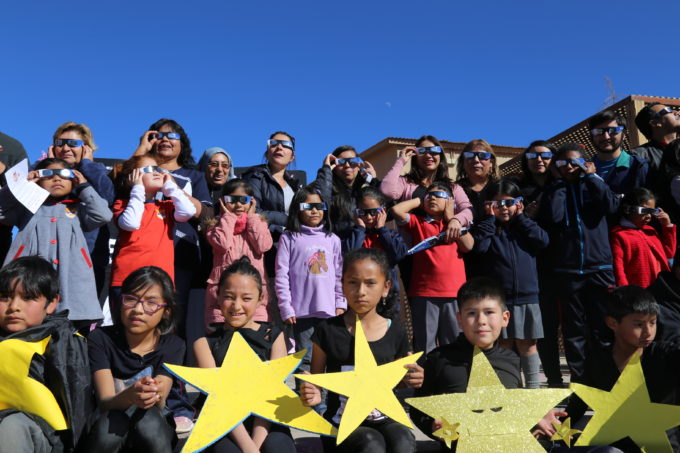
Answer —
19 391
448 432
564 432
242 386
627 411
492 418
367 387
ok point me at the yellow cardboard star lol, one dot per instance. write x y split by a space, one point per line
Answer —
19 391
367 387
627 411
448 432
563 431
242 386
492 418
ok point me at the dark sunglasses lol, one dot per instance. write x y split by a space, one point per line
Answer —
71 142
243 199
169 135
438 194
642 210
130 301
285 143
664 111
506 203
543 156
351 161
579 162
309 206
609 130
429 150
368 212
479 155
150 169
61 172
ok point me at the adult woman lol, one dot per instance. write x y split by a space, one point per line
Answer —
74 143
475 169
428 164
274 187
339 180
535 175
218 168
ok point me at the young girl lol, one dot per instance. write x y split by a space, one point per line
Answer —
438 272
239 232
308 270
507 242
55 232
240 293
146 224
639 252
366 284
126 360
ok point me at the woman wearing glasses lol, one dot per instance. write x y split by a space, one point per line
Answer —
475 169
218 168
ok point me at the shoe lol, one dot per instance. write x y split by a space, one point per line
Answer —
183 425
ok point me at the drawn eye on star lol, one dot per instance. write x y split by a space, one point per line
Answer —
492 409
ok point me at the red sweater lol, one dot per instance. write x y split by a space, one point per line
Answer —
640 254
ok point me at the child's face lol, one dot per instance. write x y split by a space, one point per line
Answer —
640 220
151 181
364 284
238 208
634 331
482 321
57 186
311 217
433 205
142 310
503 213
369 203
239 298
570 172
19 312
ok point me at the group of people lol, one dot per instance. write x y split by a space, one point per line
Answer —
516 260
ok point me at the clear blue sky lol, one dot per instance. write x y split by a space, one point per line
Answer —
331 73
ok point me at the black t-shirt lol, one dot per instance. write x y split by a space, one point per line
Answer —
332 336
108 349
260 340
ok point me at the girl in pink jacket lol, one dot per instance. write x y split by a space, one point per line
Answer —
239 232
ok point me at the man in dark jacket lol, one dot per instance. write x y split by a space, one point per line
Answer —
660 125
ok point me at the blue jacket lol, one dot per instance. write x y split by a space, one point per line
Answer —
630 171
575 217
508 255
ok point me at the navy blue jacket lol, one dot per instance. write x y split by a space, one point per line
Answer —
630 171
508 255
575 217
392 242
98 177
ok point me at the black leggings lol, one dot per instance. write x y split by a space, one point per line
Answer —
144 431
278 440
385 436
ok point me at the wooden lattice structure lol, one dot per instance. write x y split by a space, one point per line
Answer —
628 107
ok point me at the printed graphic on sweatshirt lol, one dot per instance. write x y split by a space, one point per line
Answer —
317 262
160 214
71 212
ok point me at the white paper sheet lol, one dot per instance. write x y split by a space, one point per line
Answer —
27 193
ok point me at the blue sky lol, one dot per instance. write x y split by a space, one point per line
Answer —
331 73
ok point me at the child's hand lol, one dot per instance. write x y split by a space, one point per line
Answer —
309 393
135 178
488 208
436 424
79 178
407 153
253 206
453 230
663 218
545 427
330 161
415 375
290 320
381 219
145 393
339 311
33 176
88 152
168 177
359 222
590 168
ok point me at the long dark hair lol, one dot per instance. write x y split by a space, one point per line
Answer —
293 224
386 306
143 278
185 159
343 195
527 176
416 175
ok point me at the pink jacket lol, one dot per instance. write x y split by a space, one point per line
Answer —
400 189
227 247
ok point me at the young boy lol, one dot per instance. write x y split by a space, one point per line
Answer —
438 272
29 294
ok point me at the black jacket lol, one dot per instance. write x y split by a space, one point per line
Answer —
269 196
65 371
666 291
652 152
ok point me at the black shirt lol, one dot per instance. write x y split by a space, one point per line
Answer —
260 340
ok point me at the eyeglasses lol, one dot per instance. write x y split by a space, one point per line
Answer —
429 150
150 169
439 194
149 307
169 135
309 206
216 164
508 203
479 155
579 162
642 210
609 130
662 112
61 172
352 161
243 199
368 212
285 143
71 142
547 155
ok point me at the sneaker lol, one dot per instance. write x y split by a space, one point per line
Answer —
183 425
